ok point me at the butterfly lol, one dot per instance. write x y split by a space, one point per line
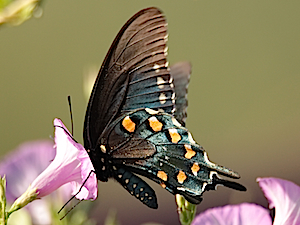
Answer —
135 118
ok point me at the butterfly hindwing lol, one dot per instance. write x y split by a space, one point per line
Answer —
181 74
175 161
136 186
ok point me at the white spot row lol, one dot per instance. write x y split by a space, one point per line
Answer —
173 98
160 82
162 98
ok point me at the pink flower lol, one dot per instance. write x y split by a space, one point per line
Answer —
24 164
21 167
71 164
282 195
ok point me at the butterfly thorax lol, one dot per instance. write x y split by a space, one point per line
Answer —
101 162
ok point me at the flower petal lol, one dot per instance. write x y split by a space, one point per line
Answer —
64 168
71 164
89 189
24 164
243 214
21 167
284 196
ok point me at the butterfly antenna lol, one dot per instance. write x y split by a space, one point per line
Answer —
67 203
71 209
71 114
92 171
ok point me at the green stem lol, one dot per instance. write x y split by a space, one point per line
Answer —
186 210
3 216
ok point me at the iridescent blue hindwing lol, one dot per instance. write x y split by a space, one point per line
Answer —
174 161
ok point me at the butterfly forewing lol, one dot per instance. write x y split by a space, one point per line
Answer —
129 75
149 82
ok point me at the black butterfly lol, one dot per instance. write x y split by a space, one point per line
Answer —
134 122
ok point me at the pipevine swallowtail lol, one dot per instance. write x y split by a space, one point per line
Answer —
135 118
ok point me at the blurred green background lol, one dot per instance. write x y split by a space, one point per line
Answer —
243 96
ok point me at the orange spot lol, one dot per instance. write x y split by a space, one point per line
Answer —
162 175
189 152
181 177
155 124
163 185
195 168
128 124
175 137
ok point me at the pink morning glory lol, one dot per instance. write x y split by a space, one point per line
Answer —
282 195
21 167
24 164
70 165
